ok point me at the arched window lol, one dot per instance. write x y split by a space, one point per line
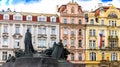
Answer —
91 21
6 17
80 21
114 56
80 56
80 32
92 56
112 15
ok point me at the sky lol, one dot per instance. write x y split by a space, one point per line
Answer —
50 6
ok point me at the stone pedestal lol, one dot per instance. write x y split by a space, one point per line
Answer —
32 62
37 62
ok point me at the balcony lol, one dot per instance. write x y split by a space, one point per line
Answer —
5 35
107 63
113 37
17 35
42 36
112 48
92 48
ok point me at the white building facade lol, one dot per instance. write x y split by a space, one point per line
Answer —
13 26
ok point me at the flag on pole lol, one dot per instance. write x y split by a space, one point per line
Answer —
100 40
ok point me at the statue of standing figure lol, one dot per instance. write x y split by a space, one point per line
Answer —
58 51
29 50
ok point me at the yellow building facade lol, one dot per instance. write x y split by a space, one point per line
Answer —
104 50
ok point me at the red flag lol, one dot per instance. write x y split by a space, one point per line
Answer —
100 40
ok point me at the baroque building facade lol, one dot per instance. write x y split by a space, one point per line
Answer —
13 26
72 32
103 37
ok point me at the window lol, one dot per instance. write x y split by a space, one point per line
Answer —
102 22
53 30
80 22
103 56
52 42
29 28
80 32
39 30
17 16
72 42
4 56
112 32
17 30
114 43
92 56
72 21
17 44
92 43
91 21
114 56
92 32
65 42
29 18
5 30
112 23
112 15
72 31
6 17
53 19
41 18
80 56
65 21
103 32
5 41
80 43
65 30
41 43
44 31
72 57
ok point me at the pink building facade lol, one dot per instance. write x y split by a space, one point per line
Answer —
72 32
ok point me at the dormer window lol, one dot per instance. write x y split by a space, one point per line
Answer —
112 15
6 17
42 18
53 19
17 16
29 18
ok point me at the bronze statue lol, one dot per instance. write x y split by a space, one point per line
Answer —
57 51
29 50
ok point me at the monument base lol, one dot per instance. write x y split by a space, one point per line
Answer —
37 62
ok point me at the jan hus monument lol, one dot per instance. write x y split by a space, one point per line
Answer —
52 57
